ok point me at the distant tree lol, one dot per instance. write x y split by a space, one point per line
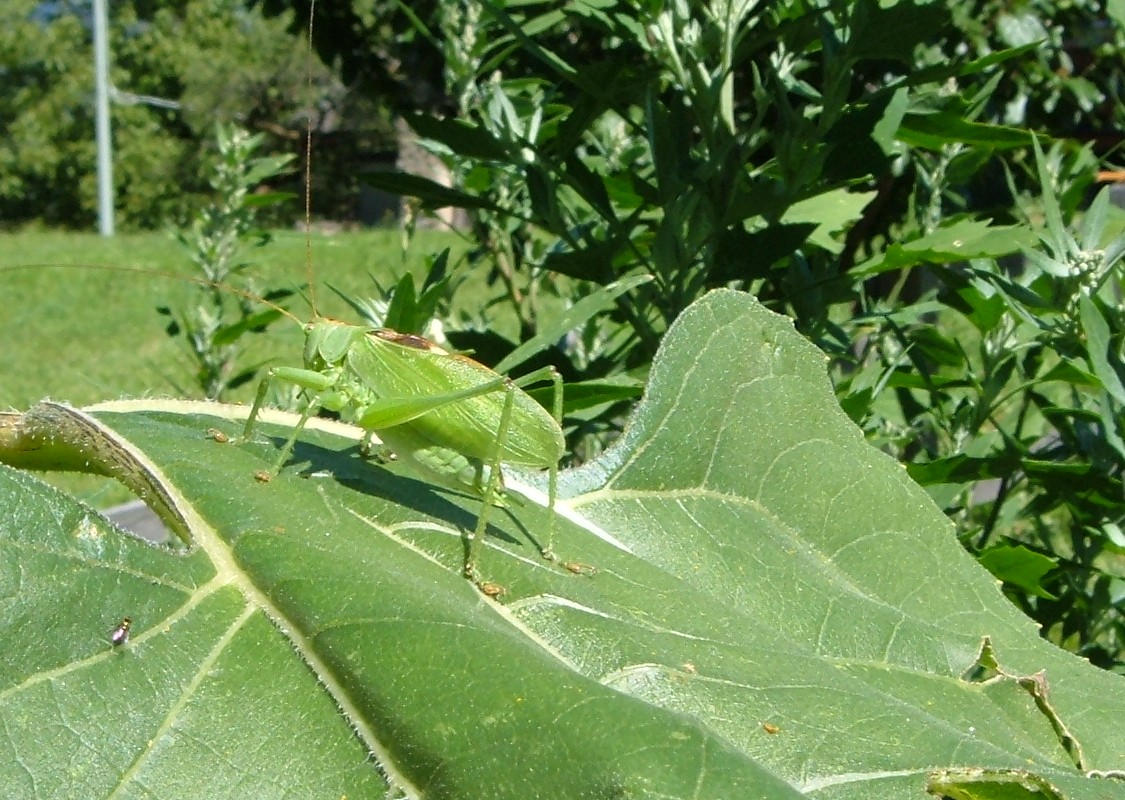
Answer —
377 46
396 50
220 60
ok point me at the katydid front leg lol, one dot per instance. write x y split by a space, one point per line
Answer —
305 378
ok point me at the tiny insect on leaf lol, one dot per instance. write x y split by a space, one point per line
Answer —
493 590
578 568
120 634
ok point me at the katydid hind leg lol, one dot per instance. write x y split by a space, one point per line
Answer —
495 476
553 471
546 548
493 485
539 376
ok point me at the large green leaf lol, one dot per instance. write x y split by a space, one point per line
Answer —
749 602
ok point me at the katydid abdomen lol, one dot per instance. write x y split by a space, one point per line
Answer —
394 366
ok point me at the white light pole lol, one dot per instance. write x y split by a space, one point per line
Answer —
101 120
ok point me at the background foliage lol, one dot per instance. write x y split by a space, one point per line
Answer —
215 61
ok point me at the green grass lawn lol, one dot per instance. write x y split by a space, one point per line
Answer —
86 335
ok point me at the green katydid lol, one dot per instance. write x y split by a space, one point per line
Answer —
453 420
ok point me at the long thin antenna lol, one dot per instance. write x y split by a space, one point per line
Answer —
308 167
174 276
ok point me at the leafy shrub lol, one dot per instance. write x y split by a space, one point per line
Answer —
831 161
1015 419
216 241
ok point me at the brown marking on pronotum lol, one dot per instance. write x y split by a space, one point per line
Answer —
406 340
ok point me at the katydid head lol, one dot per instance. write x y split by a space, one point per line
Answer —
327 342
